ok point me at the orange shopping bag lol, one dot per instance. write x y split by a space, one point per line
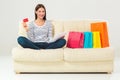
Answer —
102 28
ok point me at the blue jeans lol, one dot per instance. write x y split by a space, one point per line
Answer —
25 43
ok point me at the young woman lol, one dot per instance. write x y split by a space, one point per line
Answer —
39 32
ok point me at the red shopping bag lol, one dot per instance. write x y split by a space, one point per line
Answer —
75 40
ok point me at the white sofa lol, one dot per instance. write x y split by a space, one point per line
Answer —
63 60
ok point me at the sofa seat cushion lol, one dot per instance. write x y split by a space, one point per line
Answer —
88 54
26 54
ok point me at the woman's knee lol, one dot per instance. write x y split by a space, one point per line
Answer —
62 42
21 40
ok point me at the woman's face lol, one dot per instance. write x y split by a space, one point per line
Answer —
40 13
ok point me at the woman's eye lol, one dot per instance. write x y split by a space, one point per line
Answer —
43 11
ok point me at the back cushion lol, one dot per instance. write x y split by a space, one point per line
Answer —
81 26
74 26
77 26
57 27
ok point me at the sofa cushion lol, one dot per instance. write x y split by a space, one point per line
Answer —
49 55
88 54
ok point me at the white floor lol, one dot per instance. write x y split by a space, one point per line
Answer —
7 73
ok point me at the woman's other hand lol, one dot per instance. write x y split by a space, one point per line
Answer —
25 26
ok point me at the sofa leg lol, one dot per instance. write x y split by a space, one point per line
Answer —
17 72
109 72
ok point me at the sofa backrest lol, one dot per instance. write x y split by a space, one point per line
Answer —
64 26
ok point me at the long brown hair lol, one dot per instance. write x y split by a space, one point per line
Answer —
40 6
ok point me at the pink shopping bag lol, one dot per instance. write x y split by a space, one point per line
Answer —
75 40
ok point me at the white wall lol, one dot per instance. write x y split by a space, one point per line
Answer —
14 10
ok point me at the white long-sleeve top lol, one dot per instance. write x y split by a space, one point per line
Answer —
40 33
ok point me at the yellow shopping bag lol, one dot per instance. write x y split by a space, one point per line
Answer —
96 40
